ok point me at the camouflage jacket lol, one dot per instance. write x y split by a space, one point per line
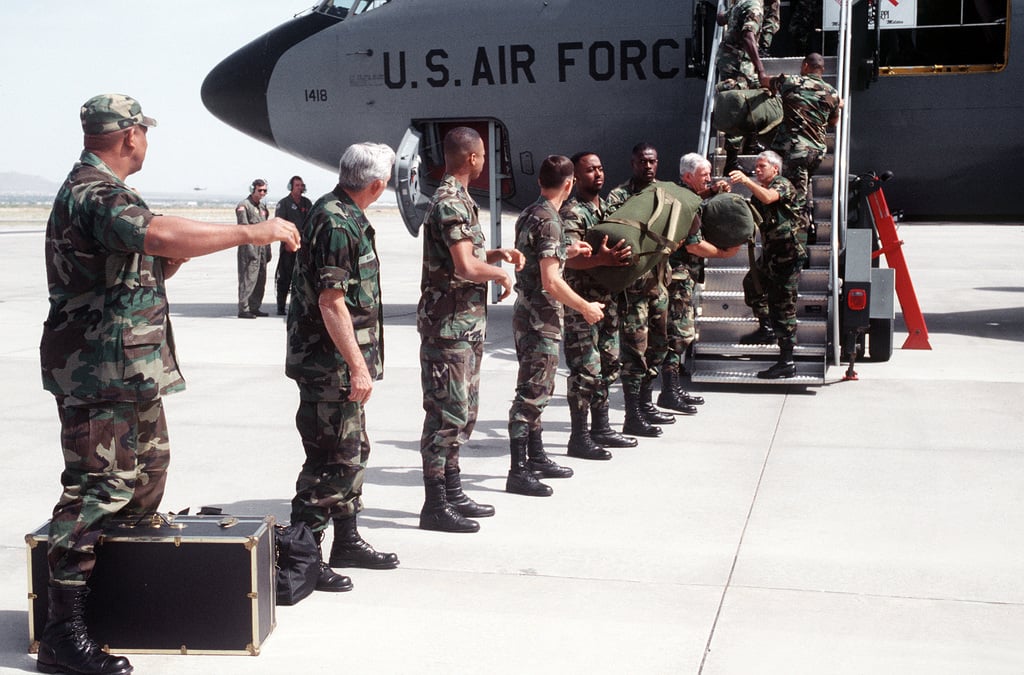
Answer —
538 235
744 16
450 307
685 265
107 336
780 218
577 219
808 102
338 252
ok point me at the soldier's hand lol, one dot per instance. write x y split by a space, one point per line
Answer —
729 252
579 248
616 256
276 229
506 283
593 312
361 386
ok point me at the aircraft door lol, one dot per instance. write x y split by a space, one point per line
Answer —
411 201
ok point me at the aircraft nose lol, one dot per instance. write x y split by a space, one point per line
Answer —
235 91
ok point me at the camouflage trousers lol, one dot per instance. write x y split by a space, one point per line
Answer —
773 294
803 21
734 64
538 361
592 354
799 166
252 276
450 377
681 317
330 483
115 463
770 24
644 332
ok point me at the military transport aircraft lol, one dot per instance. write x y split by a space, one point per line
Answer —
938 95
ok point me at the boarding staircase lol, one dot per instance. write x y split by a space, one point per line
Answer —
722 316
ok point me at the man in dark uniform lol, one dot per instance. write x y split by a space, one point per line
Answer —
252 260
591 350
293 208
537 323
107 356
335 338
643 308
452 319
770 288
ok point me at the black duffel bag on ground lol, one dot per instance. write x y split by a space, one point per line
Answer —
298 562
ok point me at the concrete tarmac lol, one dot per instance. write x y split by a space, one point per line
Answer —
873 526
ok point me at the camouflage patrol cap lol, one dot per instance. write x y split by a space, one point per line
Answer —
112 112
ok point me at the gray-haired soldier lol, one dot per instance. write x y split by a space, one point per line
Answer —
107 356
335 332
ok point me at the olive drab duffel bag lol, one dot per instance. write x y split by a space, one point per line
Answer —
652 222
728 220
746 111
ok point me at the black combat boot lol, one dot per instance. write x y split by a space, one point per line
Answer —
456 497
647 409
635 424
764 335
521 480
437 514
732 160
65 646
581 445
538 461
783 368
349 549
672 395
602 433
329 581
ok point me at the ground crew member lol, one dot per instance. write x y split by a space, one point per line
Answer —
252 260
294 208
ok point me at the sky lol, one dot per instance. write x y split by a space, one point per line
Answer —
55 55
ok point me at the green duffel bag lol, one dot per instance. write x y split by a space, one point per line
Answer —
652 222
728 220
745 111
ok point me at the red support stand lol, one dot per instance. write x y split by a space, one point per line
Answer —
892 247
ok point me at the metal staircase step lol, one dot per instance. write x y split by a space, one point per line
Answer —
745 372
730 304
702 350
809 331
813 280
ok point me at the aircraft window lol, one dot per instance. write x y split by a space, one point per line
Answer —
342 8
940 36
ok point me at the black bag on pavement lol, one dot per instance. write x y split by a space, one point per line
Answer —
298 562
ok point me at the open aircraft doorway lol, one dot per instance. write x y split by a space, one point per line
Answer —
419 166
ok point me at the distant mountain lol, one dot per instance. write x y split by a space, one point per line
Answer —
20 183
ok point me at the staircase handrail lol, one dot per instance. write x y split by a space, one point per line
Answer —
841 168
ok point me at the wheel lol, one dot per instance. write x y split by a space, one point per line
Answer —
880 335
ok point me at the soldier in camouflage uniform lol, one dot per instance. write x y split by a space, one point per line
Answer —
107 356
769 27
809 105
770 287
738 60
643 308
335 339
451 319
804 19
537 325
252 260
591 350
